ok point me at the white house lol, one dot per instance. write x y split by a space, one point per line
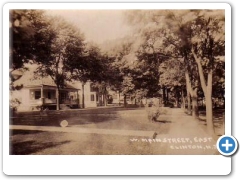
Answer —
41 92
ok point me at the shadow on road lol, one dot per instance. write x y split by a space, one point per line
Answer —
22 132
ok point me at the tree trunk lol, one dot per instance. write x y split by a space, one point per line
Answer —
195 112
102 100
176 102
183 100
105 100
125 100
167 95
177 98
189 90
119 103
209 114
164 97
209 108
58 101
83 101
194 96
189 103
207 89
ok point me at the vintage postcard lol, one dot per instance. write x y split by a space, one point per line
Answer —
118 79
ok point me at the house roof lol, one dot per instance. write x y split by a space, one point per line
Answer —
28 79
47 81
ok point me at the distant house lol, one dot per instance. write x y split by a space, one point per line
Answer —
117 98
92 98
41 92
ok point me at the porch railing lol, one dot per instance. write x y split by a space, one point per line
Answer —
50 101
45 101
69 101
53 101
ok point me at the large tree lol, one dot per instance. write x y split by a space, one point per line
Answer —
63 44
28 32
136 65
94 66
208 46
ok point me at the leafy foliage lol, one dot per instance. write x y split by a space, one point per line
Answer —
27 29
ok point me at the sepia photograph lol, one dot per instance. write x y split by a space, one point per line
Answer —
116 81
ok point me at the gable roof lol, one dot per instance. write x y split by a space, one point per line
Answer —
28 79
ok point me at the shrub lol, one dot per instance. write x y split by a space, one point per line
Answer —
14 103
155 111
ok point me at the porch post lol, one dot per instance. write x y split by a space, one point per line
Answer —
83 103
42 97
77 99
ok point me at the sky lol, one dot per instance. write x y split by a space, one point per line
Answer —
98 26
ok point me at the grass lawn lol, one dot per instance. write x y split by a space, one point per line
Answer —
41 142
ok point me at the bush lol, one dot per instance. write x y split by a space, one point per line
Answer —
155 111
14 103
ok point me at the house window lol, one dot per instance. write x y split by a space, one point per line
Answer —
37 94
97 98
92 97
49 95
